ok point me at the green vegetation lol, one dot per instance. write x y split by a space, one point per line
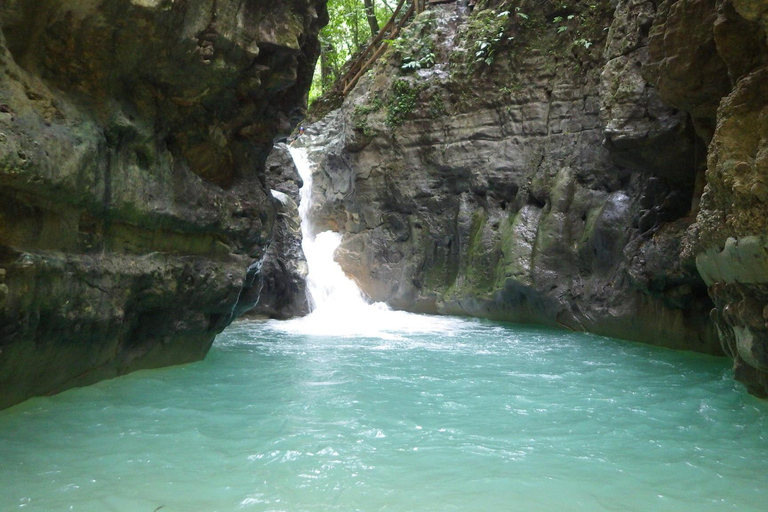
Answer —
416 47
403 101
489 28
349 29
374 106
488 31
361 113
436 107
425 59
488 56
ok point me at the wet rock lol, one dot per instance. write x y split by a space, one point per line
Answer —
683 61
614 182
134 211
641 131
730 236
3 288
280 290
551 187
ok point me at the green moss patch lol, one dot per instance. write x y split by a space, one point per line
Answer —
402 102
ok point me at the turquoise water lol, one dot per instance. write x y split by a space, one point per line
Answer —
472 416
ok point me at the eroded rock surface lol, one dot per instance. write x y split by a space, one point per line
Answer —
281 290
552 186
134 210
718 72
603 168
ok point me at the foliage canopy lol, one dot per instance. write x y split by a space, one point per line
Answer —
347 32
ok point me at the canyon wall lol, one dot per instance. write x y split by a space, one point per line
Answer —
281 291
597 166
134 207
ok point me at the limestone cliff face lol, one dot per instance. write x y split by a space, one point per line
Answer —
281 289
134 211
550 169
726 90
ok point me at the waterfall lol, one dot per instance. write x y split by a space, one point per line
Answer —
330 290
337 305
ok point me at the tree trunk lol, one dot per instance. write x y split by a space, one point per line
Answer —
370 14
327 73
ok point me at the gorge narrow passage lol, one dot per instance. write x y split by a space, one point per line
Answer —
356 407
593 173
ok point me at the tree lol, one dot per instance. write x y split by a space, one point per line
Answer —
370 14
342 37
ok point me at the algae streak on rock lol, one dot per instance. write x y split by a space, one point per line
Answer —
559 179
133 136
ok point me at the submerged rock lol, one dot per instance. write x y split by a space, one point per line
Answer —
549 167
134 208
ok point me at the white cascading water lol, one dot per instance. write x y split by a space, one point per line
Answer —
337 304
330 290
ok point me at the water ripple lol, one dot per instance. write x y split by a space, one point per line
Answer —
488 417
